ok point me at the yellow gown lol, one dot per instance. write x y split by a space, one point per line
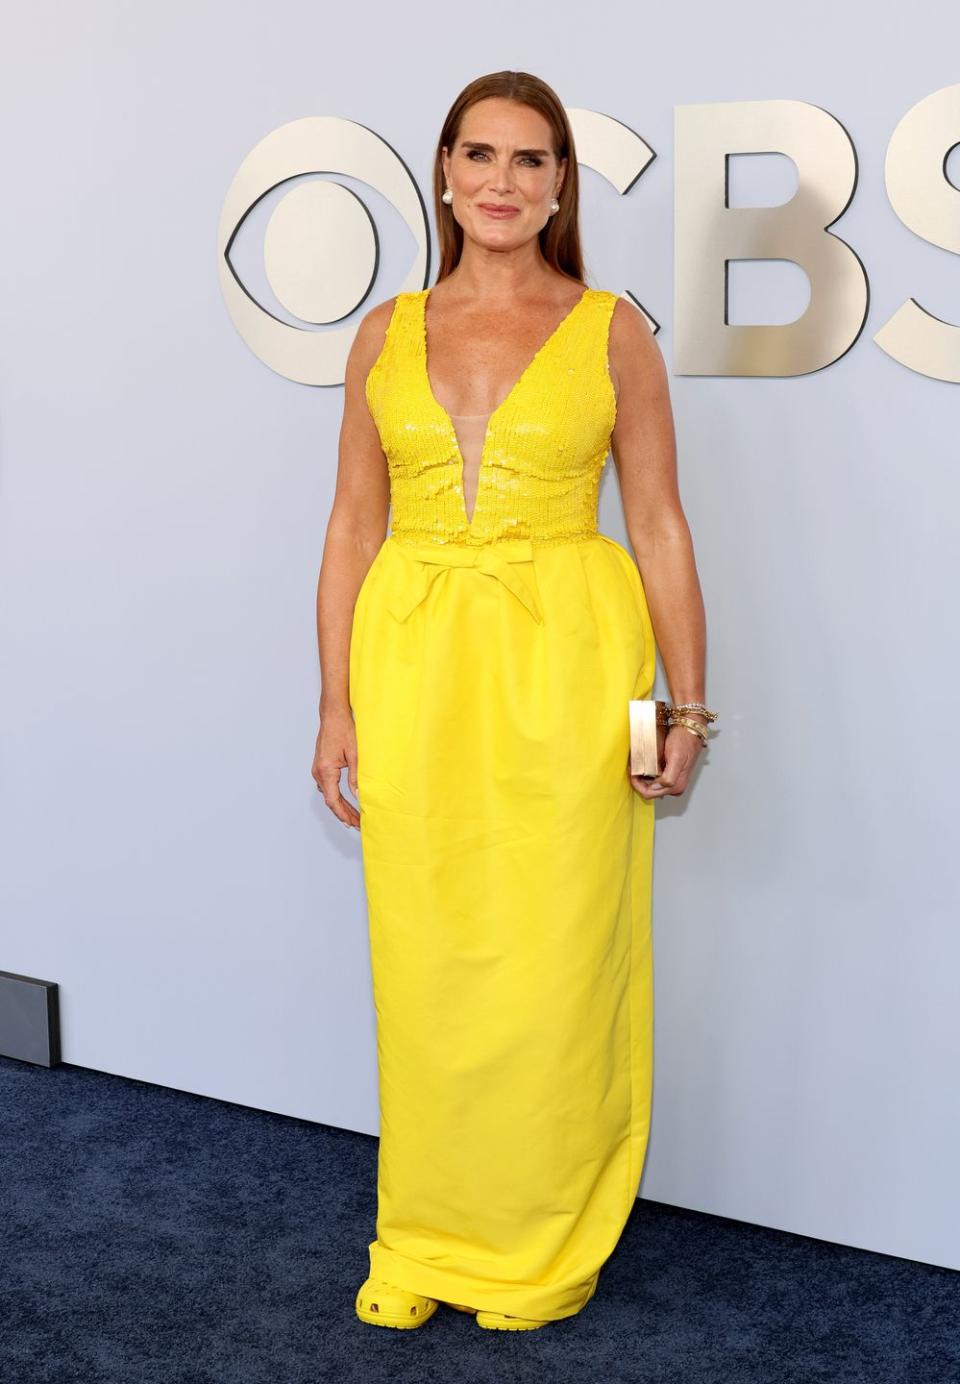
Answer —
507 859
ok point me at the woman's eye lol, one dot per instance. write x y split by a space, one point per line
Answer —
527 158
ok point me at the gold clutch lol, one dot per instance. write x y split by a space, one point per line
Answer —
649 720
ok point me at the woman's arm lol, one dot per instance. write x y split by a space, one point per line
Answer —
356 529
643 446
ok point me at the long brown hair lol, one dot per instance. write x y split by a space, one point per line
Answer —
560 237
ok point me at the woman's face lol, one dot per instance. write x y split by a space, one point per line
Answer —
503 159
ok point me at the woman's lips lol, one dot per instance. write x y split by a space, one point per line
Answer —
498 213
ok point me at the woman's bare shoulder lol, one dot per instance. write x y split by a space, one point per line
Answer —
633 351
372 332
629 326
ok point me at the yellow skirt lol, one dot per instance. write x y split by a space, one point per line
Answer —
507 864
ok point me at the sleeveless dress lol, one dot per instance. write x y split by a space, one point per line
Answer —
506 857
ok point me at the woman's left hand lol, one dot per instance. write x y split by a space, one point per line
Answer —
682 748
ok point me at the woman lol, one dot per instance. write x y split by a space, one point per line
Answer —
476 665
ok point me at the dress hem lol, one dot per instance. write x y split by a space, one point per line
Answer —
537 1301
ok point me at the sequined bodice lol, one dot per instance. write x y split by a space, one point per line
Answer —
543 449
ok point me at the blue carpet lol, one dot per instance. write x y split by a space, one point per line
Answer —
150 1235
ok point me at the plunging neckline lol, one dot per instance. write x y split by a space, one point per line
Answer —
492 417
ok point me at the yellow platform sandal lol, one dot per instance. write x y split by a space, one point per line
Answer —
382 1304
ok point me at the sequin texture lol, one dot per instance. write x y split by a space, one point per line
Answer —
545 448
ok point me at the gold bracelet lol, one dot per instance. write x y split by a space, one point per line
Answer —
691 726
696 706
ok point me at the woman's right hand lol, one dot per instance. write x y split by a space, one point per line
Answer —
336 749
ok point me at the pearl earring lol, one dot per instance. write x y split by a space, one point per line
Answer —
447 196
554 206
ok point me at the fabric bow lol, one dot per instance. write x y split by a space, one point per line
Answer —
495 559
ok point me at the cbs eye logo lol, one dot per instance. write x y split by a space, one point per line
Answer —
320 245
